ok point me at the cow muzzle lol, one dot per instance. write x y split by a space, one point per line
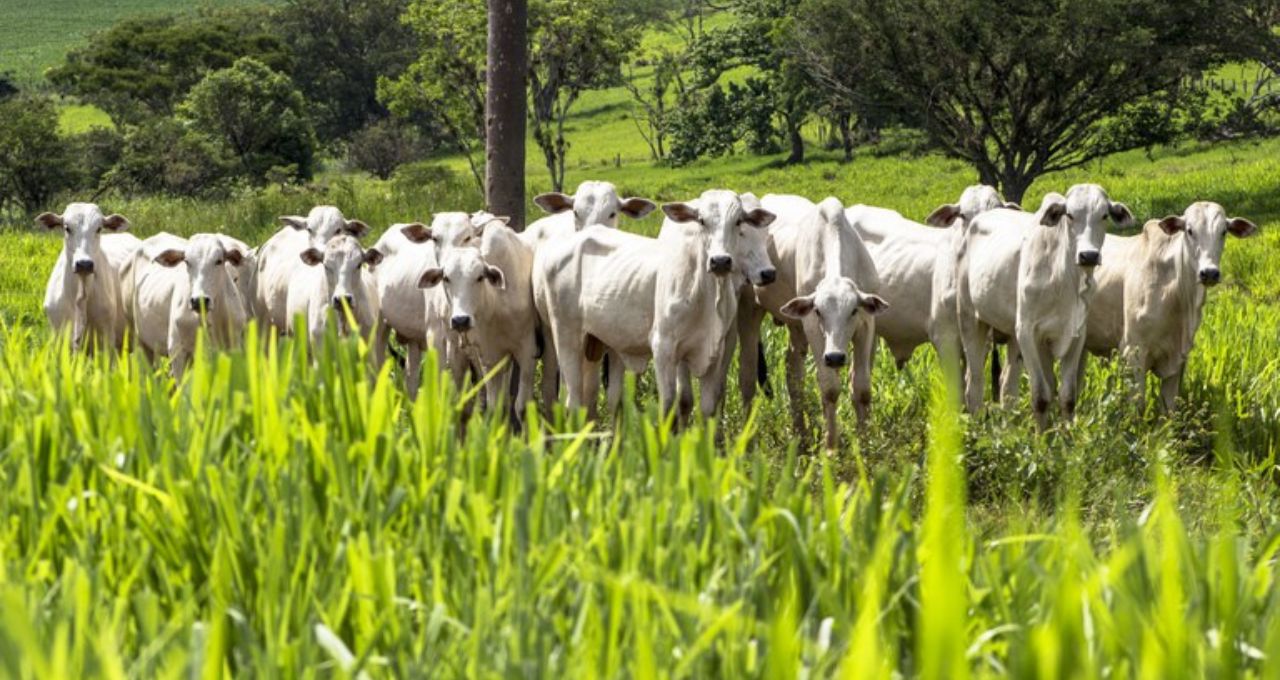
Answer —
835 359
720 264
83 266
768 276
341 300
1210 276
1089 258
201 303
460 323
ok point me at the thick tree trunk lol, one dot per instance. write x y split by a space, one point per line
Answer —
797 144
844 121
505 105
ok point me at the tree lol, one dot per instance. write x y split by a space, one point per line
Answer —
34 163
507 67
166 156
657 111
384 146
257 115
1017 89
341 48
140 68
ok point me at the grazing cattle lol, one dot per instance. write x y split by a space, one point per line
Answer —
665 298
491 305
418 317
825 294
178 284
335 278
279 263
1030 277
1151 292
83 292
593 203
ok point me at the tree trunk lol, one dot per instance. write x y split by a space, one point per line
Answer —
844 121
1013 185
505 105
797 144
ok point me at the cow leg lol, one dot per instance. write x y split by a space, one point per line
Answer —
1037 367
975 340
550 374
749 353
864 348
1137 376
666 370
1011 376
1071 369
829 388
524 368
412 368
617 381
684 394
591 387
1169 389
945 338
795 381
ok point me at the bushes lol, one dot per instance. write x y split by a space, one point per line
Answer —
166 157
35 164
384 146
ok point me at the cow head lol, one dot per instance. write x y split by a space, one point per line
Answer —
595 203
1086 209
719 215
974 201
1205 227
834 306
467 280
82 225
206 257
342 259
323 223
449 230
752 254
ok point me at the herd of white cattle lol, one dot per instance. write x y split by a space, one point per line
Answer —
573 289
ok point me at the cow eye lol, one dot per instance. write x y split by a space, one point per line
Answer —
445 279
67 229
480 279
613 215
219 262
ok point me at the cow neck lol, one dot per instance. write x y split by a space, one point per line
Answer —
1171 268
686 267
1063 273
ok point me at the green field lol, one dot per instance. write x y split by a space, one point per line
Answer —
35 34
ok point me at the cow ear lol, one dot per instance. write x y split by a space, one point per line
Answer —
1172 224
170 258
873 304
1241 228
311 257
495 277
372 257
680 212
416 232
798 308
356 228
235 257
1013 205
115 222
295 221
759 218
431 278
943 216
636 208
1052 209
554 202
505 219
1120 215
49 220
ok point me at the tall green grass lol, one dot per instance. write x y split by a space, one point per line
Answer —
274 516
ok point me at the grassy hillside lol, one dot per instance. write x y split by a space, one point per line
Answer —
34 34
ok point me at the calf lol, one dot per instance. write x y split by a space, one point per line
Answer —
1151 292
83 291
490 304
592 203
1030 277
825 294
645 297
278 259
170 302
335 279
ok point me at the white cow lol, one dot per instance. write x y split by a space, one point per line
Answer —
664 298
592 203
180 283
1030 277
1151 292
335 279
825 294
279 263
83 292
491 304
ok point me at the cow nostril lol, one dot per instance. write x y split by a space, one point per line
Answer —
339 300
721 264
768 276
1089 258
84 266
1210 276
461 322
834 359
198 303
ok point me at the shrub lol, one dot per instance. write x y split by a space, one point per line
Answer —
166 157
381 147
94 153
34 161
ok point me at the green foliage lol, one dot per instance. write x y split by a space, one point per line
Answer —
7 86
383 146
168 158
96 152
34 163
258 117
706 126
340 48
139 68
